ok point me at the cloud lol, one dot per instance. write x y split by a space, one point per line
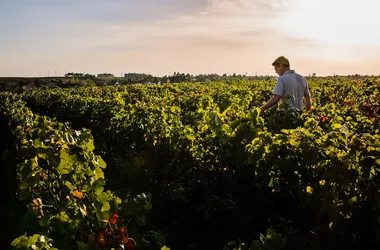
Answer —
222 36
220 22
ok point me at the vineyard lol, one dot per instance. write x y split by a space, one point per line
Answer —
191 166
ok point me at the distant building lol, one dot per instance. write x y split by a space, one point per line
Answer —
30 86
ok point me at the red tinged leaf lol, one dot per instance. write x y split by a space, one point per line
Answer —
100 238
130 245
37 191
323 118
78 194
104 238
113 218
122 236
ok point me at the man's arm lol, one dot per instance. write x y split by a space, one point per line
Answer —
277 94
273 101
307 96
308 101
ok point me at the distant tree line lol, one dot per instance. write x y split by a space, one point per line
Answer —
176 77
130 78
80 75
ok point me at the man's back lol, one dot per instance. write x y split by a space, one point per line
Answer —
292 87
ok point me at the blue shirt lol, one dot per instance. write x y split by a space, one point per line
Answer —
292 87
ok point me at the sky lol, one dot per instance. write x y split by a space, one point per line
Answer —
160 37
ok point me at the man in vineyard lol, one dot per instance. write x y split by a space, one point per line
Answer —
290 88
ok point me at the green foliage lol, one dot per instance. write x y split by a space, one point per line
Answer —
209 157
61 179
35 242
90 82
272 241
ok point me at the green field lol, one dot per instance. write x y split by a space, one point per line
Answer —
192 166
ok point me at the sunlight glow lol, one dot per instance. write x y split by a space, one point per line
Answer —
337 22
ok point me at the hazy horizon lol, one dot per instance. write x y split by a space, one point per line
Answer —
160 37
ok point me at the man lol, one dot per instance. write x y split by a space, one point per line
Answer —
290 87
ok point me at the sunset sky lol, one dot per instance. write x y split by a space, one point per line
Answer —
190 36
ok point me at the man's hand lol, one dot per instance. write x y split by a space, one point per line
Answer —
273 101
308 101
